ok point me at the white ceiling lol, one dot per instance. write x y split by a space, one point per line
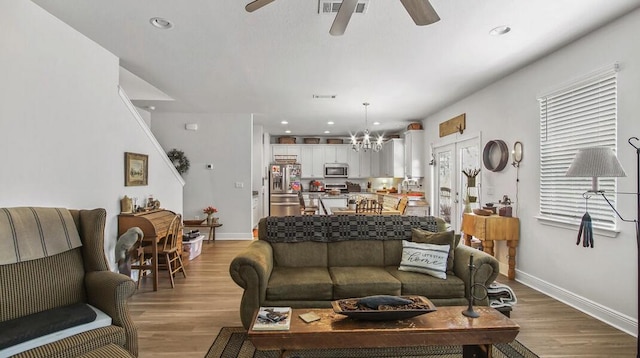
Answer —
218 58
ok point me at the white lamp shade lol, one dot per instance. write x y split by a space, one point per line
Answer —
595 162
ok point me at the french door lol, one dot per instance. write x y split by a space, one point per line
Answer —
449 183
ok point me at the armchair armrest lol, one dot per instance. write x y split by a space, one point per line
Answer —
487 268
251 269
109 291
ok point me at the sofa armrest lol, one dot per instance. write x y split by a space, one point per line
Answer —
108 291
251 269
487 269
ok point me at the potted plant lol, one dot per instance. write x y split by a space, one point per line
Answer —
352 204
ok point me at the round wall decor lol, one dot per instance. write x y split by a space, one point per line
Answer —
487 155
179 160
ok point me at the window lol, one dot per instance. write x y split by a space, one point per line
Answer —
581 115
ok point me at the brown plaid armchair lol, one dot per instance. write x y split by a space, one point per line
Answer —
42 269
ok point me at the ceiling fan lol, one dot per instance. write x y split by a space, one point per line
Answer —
420 11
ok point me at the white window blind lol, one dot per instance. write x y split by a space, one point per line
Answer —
581 115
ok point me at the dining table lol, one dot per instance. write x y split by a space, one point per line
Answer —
348 211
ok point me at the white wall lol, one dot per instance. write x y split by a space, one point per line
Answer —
224 140
600 281
63 127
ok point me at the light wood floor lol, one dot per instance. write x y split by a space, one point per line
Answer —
183 322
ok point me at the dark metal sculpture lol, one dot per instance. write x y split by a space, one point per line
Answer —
469 312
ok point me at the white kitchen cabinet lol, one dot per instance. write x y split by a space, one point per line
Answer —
317 168
392 163
336 153
414 153
285 149
312 160
375 161
353 160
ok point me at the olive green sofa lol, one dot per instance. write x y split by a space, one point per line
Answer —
309 261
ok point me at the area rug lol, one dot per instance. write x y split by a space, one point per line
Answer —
232 342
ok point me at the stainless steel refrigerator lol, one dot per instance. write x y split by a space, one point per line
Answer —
284 188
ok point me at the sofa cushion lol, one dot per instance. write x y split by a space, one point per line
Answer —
299 283
300 254
392 252
39 324
351 282
424 258
414 283
356 253
437 238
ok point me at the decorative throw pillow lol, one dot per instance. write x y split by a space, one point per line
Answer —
424 258
437 238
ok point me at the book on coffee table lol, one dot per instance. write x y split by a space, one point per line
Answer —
273 318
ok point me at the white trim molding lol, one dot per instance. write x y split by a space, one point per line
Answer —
613 318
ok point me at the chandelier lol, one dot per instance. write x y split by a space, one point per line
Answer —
365 142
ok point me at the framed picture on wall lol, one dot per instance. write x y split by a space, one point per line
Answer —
136 169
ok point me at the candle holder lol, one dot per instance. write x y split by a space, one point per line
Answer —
469 312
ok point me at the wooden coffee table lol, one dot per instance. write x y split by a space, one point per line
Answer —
446 326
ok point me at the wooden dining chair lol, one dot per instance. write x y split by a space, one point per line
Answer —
170 250
368 206
310 210
402 205
168 253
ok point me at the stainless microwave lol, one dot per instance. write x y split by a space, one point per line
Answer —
336 170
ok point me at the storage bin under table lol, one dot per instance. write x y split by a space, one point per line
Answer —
193 247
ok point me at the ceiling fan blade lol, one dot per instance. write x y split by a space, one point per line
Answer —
255 5
342 17
421 11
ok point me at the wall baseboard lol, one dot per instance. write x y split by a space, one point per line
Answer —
235 236
613 318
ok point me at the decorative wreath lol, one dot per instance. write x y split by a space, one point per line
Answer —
179 160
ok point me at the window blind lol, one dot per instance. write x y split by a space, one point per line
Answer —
578 116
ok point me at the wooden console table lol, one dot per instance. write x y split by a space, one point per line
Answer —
490 228
212 229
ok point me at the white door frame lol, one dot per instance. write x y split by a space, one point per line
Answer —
457 178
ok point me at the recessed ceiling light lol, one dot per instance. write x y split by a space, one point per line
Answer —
150 108
376 123
500 30
330 96
284 122
327 132
161 23
287 131
330 123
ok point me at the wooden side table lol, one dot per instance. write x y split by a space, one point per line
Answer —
490 228
212 229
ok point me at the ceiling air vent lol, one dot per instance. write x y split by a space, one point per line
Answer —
332 6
